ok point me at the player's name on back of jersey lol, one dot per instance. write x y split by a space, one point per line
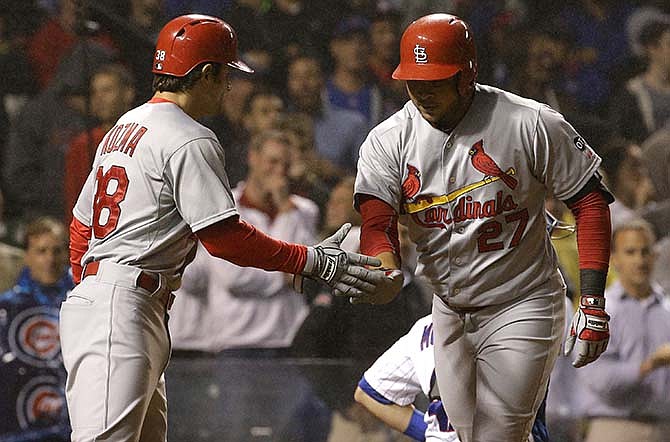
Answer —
123 138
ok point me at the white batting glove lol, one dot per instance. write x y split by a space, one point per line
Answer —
589 330
343 271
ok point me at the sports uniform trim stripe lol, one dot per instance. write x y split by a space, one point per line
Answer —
374 394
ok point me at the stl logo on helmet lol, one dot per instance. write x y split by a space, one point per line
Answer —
420 56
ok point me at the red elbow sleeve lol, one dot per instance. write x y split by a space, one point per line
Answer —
80 233
244 245
379 232
594 231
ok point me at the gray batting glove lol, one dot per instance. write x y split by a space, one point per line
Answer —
343 271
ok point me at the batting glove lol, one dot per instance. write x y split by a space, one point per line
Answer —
589 330
341 270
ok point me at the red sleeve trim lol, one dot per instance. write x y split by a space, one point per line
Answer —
80 233
379 232
244 245
594 231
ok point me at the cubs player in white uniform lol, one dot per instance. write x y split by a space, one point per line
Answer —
466 167
157 186
390 386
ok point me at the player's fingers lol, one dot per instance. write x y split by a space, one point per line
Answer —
341 233
358 283
363 260
342 289
374 277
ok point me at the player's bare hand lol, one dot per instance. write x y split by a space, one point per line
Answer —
386 290
589 331
345 272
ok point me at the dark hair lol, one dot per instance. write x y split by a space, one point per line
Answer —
170 83
651 34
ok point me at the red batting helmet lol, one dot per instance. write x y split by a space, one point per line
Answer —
436 47
188 40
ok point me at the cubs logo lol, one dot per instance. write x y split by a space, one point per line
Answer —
420 56
34 338
41 402
412 184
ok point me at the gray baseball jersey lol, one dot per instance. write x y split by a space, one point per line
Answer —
473 199
151 187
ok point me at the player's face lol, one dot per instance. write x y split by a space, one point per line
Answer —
217 87
633 257
46 257
438 101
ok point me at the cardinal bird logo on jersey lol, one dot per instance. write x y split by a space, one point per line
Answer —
412 184
485 164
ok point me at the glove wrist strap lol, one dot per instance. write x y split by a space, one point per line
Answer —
592 301
310 262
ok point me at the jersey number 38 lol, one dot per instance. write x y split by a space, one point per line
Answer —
110 191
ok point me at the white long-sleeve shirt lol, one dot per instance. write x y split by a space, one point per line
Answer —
223 306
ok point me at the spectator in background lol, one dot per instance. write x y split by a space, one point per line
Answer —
11 257
656 157
138 38
57 37
42 131
541 72
338 133
311 177
643 105
243 311
32 396
112 91
601 50
626 392
261 111
349 86
384 40
229 126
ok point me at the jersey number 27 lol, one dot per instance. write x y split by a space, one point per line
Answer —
108 203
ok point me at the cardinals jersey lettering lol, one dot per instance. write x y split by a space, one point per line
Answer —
144 198
471 196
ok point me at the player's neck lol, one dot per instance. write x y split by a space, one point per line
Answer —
184 101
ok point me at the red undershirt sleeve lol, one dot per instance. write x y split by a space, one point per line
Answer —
594 233
80 233
244 245
379 232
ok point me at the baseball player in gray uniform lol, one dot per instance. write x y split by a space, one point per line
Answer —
157 187
466 167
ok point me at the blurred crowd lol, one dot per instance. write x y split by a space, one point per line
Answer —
291 134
